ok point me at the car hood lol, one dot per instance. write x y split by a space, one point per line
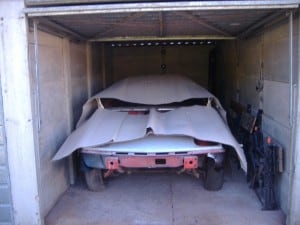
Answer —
106 126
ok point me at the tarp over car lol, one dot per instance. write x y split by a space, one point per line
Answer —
108 126
151 90
154 90
105 126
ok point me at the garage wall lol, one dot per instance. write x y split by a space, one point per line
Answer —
53 117
6 209
191 61
257 73
78 71
99 67
62 81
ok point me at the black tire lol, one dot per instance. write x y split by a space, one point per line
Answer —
214 177
94 179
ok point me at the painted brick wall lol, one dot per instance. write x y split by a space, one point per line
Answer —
5 194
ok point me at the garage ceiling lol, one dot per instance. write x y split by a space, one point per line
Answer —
149 22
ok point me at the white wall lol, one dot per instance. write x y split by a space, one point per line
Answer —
62 80
264 59
78 80
19 120
53 117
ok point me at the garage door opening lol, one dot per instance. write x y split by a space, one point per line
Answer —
242 55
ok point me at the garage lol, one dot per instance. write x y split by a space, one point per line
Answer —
58 54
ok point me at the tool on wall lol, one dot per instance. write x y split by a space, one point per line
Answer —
264 157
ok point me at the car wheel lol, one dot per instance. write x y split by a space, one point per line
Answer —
214 177
94 179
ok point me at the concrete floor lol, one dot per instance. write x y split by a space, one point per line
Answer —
162 199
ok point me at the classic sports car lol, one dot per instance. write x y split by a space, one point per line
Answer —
154 121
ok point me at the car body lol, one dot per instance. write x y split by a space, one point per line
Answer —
150 122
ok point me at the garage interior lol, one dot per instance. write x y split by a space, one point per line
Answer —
242 52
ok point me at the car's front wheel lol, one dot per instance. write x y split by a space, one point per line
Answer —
94 179
214 176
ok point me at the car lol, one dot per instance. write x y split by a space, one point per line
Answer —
152 122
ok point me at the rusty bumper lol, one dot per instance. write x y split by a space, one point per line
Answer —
119 162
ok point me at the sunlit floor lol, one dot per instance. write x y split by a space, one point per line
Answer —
163 199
